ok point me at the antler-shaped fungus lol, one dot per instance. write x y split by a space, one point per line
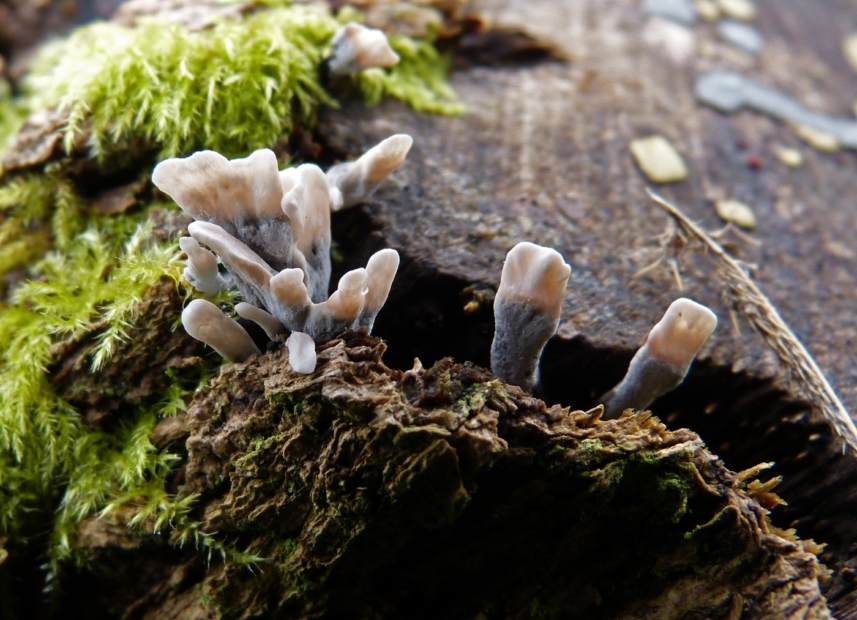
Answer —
271 231
353 182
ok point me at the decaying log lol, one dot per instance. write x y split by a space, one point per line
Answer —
442 492
445 493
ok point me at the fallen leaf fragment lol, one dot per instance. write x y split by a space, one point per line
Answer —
658 159
738 9
736 212
789 157
849 48
817 139
707 10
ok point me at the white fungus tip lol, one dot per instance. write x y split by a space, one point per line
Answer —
347 301
288 179
680 334
336 199
302 356
383 158
289 290
308 206
536 276
201 271
356 47
352 182
201 258
381 270
263 319
210 187
207 323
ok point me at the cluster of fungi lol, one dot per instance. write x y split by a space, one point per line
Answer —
270 228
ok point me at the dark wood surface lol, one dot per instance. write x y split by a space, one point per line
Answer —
542 155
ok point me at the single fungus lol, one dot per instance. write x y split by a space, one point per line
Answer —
356 47
663 361
380 270
206 322
353 182
526 311
271 231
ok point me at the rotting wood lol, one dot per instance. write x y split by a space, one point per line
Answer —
368 490
543 149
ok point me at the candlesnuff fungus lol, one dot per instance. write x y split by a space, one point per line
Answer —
271 231
353 182
356 47
526 311
206 322
307 205
663 361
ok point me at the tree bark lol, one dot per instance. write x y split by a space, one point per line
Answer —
443 493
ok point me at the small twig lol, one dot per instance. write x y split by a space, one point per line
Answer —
762 315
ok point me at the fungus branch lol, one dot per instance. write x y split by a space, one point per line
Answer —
752 304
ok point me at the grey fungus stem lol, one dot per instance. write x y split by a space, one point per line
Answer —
206 322
663 361
527 309
355 48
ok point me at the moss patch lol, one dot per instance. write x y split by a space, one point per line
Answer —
233 88
89 363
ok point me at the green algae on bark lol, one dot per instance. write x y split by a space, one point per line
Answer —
370 492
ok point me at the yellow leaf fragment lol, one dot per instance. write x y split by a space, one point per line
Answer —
849 48
658 159
707 10
789 156
744 10
736 212
817 139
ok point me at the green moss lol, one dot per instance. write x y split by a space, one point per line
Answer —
419 79
42 443
241 85
289 546
52 468
236 87
12 114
